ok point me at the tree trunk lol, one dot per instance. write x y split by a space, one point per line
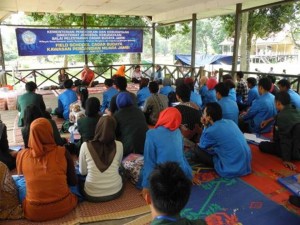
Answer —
244 61
249 44
135 58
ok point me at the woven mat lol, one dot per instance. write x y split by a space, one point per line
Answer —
129 204
143 220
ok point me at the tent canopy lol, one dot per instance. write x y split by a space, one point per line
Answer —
204 59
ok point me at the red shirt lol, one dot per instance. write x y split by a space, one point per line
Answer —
87 75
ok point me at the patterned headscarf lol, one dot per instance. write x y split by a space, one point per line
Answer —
169 118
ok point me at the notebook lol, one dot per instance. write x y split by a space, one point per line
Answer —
255 138
291 183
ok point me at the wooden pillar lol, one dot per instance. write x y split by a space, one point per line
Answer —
153 47
86 60
193 50
3 80
238 16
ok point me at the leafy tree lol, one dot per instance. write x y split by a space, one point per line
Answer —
295 25
262 22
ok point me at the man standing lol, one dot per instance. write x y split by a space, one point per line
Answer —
30 97
242 88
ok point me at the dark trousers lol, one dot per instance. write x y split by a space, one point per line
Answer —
202 157
270 148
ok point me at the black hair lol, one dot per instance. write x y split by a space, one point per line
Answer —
265 83
153 87
229 83
252 81
92 106
83 92
144 82
240 74
222 88
179 81
214 110
272 78
31 113
170 189
109 82
30 86
184 92
68 84
283 97
137 66
227 77
284 83
120 82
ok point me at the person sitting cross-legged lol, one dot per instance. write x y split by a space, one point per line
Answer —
144 92
222 145
108 94
169 192
229 107
284 85
262 109
286 132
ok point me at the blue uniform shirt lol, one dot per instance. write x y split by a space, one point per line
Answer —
295 98
232 94
227 144
166 90
65 99
142 95
262 109
196 98
107 95
252 95
230 109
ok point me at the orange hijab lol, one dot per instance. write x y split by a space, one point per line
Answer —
121 71
169 118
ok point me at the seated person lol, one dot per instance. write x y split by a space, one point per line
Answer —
131 125
62 77
190 114
169 192
121 71
286 133
164 143
154 104
166 88
210 94
241 87
136 74
229 107
32 112
47 193
100 160
228 80
194 97
158 74
10 208
77 109
108 94
144 92
284 85
30 97
262 109
65 99
6 155
121 85
203 88
253 91
87 77
222 144
87 125
274 89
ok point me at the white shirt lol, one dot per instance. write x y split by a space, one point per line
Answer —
99 184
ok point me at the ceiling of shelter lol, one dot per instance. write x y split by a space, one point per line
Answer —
161 11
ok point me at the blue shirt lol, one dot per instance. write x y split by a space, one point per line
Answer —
196 98
210 96
232 94
107 95
252 95
202 91
230 151
295 98
142 95
166 90
230 109
262 109
65 100
163 145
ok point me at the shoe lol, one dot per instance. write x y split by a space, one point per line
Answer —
294 200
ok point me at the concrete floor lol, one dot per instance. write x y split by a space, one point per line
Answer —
8 117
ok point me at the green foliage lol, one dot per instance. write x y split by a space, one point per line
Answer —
171 30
